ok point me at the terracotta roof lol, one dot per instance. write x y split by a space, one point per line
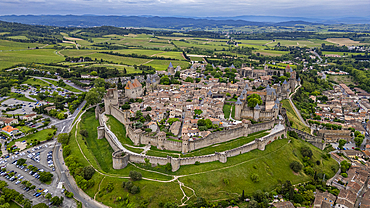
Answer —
9 129
133 85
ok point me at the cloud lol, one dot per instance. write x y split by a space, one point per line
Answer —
200 8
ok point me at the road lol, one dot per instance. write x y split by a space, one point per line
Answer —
295 108
45 79
62 170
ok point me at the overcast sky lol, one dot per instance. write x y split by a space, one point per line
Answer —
197 8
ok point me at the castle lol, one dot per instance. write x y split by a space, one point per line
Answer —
271 97
133 89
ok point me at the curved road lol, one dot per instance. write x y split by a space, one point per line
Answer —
61 168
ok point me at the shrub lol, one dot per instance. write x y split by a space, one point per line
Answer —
88 172
84 132
318 162
255 177
134 190
309 171
345 175
306 152
135 176
197 163
296 166
69 194
226 181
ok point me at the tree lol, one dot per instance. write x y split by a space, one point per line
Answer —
255 178
148 108
92 97
189 79
358 140
148 118
201 122
296 166
94 73
48 196
63 138
172 120
21 161
100 82
45 176
165 80
344 166
57 201
88 172
126 106
135 176
342 142
306 152
253 100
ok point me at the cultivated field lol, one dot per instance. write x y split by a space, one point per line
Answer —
343 41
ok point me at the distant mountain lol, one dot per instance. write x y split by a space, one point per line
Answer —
124 21
175 23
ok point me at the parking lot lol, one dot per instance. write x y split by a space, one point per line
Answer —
41 158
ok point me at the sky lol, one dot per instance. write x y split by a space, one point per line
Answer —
190 8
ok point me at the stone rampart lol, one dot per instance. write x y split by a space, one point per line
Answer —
315 141
176 163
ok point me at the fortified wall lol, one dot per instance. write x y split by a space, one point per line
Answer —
121 157
160 141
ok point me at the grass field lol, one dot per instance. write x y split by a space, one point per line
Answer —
297 124
227 110
18 96
129 69
220 147
119 130
23 129
67 87
10 58
12 45
39 136
341 79
272 166
161 65
36 82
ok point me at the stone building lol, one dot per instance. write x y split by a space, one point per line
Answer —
333 136
171 69
133 89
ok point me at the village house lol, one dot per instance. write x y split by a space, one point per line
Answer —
10 130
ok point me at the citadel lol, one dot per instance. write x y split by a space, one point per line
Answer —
188 104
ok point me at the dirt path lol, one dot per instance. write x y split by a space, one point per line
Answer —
98 188
157 54
147 62
269 43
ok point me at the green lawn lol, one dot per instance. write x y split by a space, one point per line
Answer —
39 136
67 87
159 153
226 109
23 129
35 81
14 205
220 147
292 116
119 130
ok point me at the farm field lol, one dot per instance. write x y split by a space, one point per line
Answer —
10 58
344 41
12 45
162 65
271 52
129 69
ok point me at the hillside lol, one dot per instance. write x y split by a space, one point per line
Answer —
227 182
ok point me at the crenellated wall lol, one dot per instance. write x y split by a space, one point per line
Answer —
176 163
